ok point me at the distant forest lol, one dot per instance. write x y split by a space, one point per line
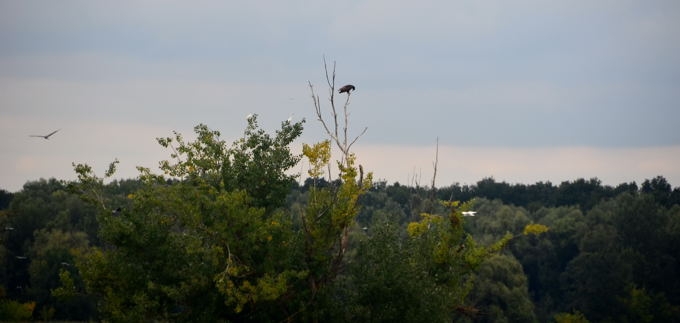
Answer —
610 253
225 234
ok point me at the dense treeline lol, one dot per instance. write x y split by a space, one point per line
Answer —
581 192
610 255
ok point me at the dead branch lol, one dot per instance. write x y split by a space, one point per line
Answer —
340 137
434 175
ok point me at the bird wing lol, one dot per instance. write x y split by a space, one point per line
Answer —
51 133
47 136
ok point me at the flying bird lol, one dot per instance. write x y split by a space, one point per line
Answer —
469 213
46 136
347 88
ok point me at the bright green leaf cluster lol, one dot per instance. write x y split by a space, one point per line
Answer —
319 155
534 229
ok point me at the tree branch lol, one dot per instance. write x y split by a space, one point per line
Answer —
434 175
343 143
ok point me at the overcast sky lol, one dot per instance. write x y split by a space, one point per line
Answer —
522 91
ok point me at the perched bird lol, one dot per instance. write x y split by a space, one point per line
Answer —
347 88
469 213
46 136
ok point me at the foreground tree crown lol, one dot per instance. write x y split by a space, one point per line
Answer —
209 236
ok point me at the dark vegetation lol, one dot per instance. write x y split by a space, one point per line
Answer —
611 255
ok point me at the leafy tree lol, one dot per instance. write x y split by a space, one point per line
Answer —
214 242
643 306
207 240
595 281
494 220
11 310
5 199
43 204
575 317
376 204
581 192
450 255
387 282
659 188
53 252
501 291
329 215
544 258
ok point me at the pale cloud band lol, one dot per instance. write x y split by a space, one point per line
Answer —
134 145
467 165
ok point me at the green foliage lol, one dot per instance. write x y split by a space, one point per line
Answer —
215 242
258 163
327 218
211 242
43 228
501 291
90 186
448 254
581 193
319 156
575 317
395 267
5 199
534 229
643 306
11 310
67 290
52 253
388 282
588 261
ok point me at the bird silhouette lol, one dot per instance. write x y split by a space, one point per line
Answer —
47 136
347 88
469 213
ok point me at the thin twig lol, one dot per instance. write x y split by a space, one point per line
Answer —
319 115
357 137
331 87
434 175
